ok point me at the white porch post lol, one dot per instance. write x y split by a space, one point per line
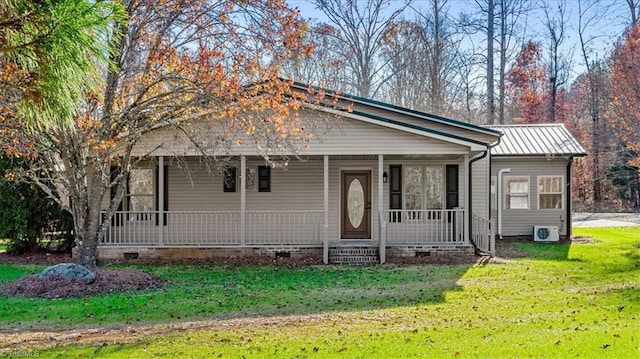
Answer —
243 199
325 228
161 208
467 200
381 226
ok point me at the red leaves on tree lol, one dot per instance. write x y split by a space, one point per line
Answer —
625 91
526 89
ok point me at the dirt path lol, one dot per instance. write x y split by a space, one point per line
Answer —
24 342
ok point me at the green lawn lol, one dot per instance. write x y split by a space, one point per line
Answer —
3 245
580 300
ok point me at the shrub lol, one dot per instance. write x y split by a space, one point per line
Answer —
28 218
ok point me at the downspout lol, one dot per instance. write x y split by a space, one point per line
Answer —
470 189
569 194
499 199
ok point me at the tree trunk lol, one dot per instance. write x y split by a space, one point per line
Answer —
87 227
87 206
490 96
503 60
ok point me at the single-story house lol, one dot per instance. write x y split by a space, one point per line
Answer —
389 181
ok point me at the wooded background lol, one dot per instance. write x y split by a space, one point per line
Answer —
496 62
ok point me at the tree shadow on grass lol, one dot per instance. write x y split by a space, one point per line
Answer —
199 292
526 247
594 254
324 289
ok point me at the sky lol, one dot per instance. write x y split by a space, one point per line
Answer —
609 18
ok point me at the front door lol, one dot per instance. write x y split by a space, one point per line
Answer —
356 205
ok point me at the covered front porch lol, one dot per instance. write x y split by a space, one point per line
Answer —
310 208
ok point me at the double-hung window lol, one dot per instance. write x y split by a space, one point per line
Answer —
550 192
140 193
516 192
424 189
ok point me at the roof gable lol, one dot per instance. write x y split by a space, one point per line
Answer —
414 120
407 127
536 140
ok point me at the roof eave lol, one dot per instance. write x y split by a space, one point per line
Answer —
401 110
541 155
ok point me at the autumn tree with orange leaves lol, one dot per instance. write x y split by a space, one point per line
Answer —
625 90
625 93
175 63
526 90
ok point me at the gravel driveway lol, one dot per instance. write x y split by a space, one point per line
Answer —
606 219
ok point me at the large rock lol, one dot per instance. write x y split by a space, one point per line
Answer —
71 271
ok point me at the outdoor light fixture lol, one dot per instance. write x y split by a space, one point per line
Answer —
385 177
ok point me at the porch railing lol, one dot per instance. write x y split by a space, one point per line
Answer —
131 228
482 235
205 228
193 228
283 227
441 226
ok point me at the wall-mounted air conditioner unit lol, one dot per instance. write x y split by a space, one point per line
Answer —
546 234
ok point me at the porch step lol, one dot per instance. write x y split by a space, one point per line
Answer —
354 255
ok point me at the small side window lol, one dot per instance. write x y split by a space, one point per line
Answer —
264 179
229 184
550 192
516 193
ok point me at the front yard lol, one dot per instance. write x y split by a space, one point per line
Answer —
561 300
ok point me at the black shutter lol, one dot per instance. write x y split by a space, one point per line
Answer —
165 193
452 186
264 179
395 191
452 189
229 177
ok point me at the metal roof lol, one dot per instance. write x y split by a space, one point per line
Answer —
536 140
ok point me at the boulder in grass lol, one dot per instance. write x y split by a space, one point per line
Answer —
71 271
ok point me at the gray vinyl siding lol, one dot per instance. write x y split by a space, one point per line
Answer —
341 138
354 137
517 222
203 191
433 125
480 182
298 187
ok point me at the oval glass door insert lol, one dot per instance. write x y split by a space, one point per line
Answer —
355 203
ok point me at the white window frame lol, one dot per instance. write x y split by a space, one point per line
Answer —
561 193
423 188
251 180
507 195
141 215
